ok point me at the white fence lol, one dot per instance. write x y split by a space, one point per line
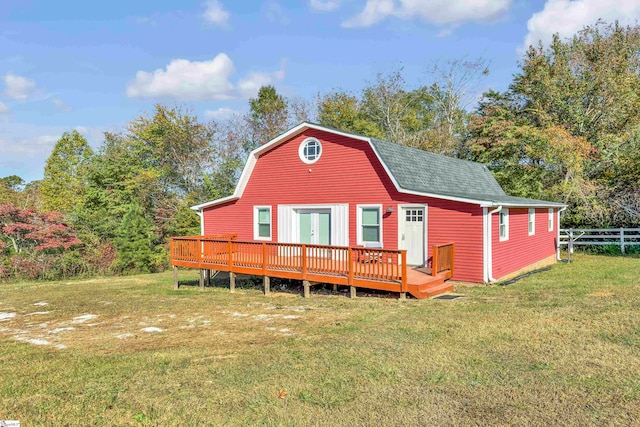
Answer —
622 237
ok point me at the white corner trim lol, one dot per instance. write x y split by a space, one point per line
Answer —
488 243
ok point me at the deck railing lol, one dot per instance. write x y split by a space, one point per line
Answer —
345 265
442 260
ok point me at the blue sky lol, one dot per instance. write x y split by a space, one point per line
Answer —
95 66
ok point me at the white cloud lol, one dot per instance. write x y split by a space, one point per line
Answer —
199 81
187 80
566 17
324 5
18 87
220 113
216 14
275 12
60 105
440 12
4 108
27 147
250 85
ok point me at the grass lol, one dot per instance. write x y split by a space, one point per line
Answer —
558 347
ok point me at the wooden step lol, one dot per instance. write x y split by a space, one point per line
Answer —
430 290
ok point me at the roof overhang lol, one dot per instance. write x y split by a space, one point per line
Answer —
255 154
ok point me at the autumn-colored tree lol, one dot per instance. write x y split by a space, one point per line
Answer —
577 101
30 242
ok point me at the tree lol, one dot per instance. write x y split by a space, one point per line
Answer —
31 242
454 91
268 116
63 186
135 242
576 102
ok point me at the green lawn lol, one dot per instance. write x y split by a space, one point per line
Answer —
559 347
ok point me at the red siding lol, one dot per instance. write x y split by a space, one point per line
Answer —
348 171
521 249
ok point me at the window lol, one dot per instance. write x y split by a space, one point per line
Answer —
310 150
532 222
369 224
262 223
504 224
550 219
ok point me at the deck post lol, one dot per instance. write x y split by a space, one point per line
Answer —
335 289
232 281
266 281
264 259
350 261
201 279
352 291
434 261
230 249
304 262
403 296
404 286
175 278
307 286
453 248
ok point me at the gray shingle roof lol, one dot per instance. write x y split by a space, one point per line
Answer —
424 172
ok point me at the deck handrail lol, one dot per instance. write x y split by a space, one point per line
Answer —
442 259
302 261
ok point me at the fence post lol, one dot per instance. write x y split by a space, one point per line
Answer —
571 240
622 240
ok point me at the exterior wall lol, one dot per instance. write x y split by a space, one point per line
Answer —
348 171
522 250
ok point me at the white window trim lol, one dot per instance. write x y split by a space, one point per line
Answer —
550 220
256 233
303 144
504 211
531 231
359 208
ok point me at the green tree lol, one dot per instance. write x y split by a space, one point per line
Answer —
63 186
268 116
135 242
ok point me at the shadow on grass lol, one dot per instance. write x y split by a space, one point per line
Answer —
287 286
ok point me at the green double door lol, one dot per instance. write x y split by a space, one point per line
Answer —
315 226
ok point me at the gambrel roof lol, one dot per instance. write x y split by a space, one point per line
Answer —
412 171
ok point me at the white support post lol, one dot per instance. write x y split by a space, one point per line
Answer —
622 249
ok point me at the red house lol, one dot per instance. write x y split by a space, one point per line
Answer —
319 186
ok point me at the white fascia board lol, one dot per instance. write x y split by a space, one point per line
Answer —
214 202
519 205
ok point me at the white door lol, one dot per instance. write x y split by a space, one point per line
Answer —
412 233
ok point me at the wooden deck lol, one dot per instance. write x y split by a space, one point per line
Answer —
357 267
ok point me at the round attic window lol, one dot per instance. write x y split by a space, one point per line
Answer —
310 150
